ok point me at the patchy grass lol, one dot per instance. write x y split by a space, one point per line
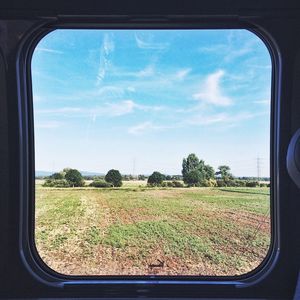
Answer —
164 231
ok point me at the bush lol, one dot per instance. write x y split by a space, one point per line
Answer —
209 183
155 179
252 183
221 183
240 183
235 183
176 183
114 177
263 185
205 183
57 176
141 177
56 183
231 183
101 184
169 184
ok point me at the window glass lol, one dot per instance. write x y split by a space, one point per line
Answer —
152 151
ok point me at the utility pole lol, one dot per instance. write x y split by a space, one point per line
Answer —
133 167
258 162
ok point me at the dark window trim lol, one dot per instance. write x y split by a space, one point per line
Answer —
28 252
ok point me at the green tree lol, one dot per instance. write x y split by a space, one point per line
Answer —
209 172
192 163
141 177
74 177
156 179
114 177
224 171
193 178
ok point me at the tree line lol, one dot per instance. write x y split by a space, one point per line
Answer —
195 173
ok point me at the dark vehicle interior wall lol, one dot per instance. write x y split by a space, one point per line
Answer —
20 23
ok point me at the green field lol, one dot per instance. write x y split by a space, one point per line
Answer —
135 230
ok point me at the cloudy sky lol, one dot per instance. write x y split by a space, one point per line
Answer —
141 100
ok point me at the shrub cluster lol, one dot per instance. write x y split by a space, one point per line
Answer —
252 183
73 178
174 183
101 184
66 178
237 183
56 183
113 178
264 185
208 183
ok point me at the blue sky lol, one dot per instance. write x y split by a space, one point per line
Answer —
141 100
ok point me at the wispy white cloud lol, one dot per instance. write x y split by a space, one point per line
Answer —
144 127
223 118
210 91
229 50
208 119
107 91
48 50
45 76
122 108
149 107
106 49
146 42
263 102
146 72
131 89
219 48
109 109
238 52
49 124
108 44
255 66
61 110
116 109
182 74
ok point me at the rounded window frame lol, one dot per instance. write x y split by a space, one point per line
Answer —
29 254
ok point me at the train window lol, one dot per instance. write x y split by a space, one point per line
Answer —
152 152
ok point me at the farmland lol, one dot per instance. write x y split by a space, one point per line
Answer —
136 230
